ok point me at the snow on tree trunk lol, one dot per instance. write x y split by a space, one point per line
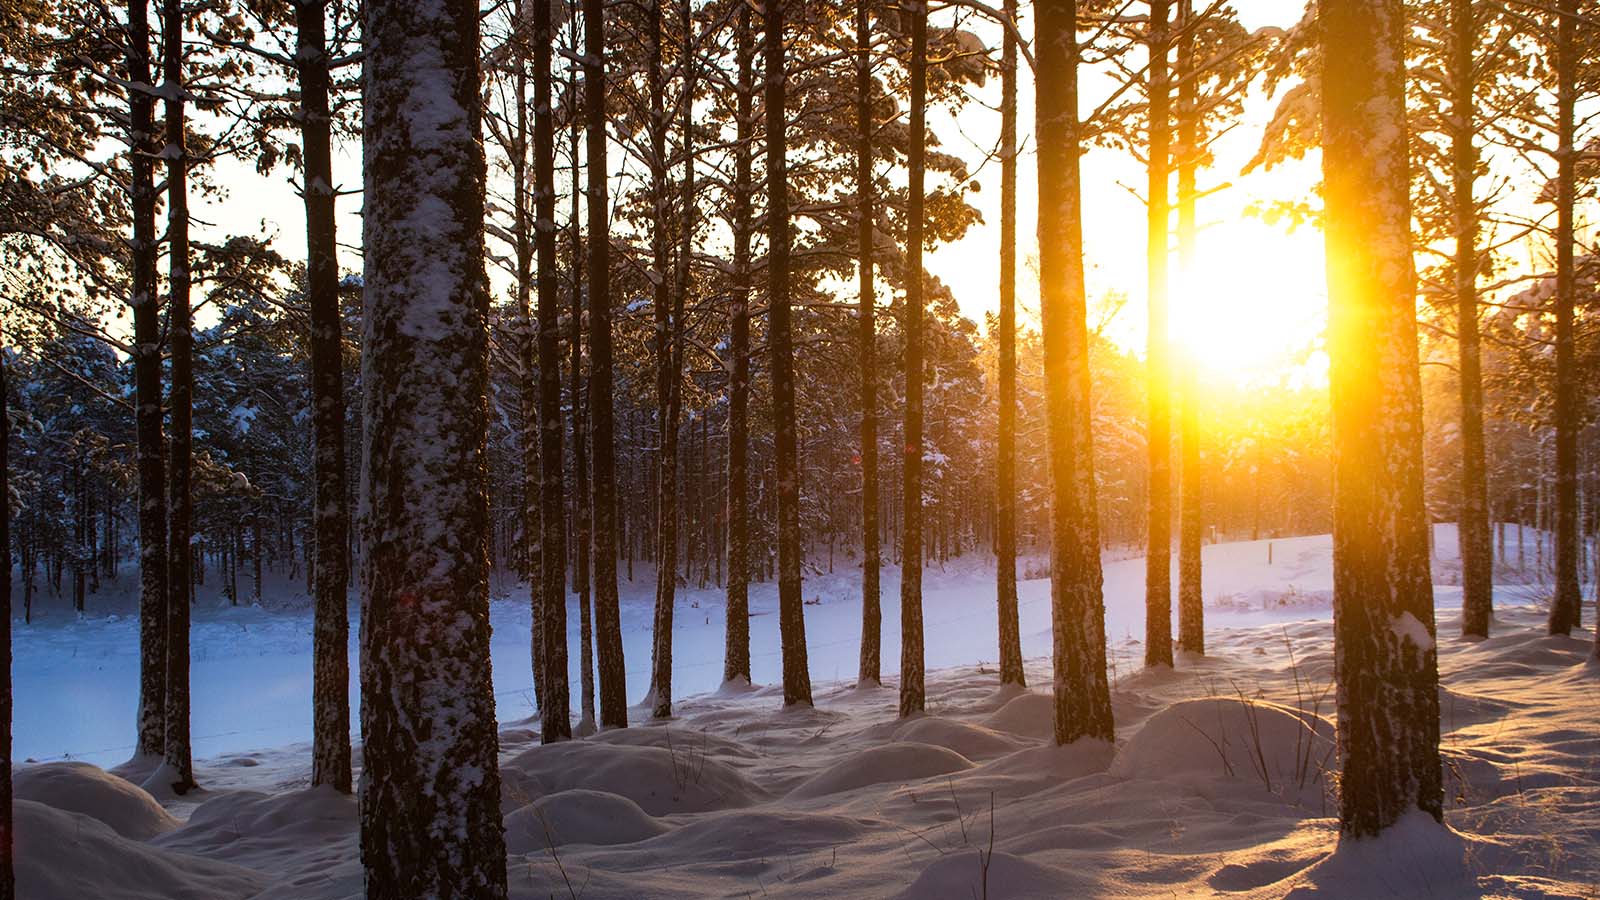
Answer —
1158 552
1077 607
580 448
1191 509
179 764
736 651
8 881
1565 608
430 785
791 608
913 692
1006 464
152 452
1384 650
330 696
603 466
871 664
556 722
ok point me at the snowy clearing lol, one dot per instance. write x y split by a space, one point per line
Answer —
1219 783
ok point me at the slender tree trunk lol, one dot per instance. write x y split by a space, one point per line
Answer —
1477 561
871 671
1158 553
1564 608
1006 464
430 786
580 446
557 709
180 328
151 442
1082 695
736 655
912 690
1384 649
330 755
8 880
791 608
608 624
1191 478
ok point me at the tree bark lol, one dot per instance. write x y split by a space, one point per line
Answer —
871 669
1158 531
180 328
1477 560
791 608
8 880
430 786
1564 607
608 624
580 447
1384 650
556 722
1082 695
330 754
912 689
736 654
152 719
1191 477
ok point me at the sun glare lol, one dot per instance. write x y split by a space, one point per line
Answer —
1253 303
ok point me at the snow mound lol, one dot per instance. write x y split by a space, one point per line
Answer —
92 791
660 781
63 855
1029 715
578 817
746 834
271 831
898 762
1414 857
1255 740
964 875
971 741
676 740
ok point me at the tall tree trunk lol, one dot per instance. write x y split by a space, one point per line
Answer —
181 329
1158 531
1477 560
330 696
736 653
1384 648
791 608
1191 477
8 880
152 451
1564 608
871 670
529 379
608 624
1082 695
1005 505
667 326
557 709
912 690
430 786
580 442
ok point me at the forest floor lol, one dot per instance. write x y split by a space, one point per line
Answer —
1220 781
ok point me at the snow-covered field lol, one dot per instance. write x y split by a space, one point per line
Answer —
1219 783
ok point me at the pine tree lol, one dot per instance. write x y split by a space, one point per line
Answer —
152 451
602 434
330 697
1384 644
1566 606
556 710
8 881
1077 608
736 655
430 785
1158 552
871 669
1006 448
1191 508
179 761
791 608
912 690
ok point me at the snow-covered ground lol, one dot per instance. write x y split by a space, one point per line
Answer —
1218 784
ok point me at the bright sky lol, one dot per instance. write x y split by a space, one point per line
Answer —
1254 304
